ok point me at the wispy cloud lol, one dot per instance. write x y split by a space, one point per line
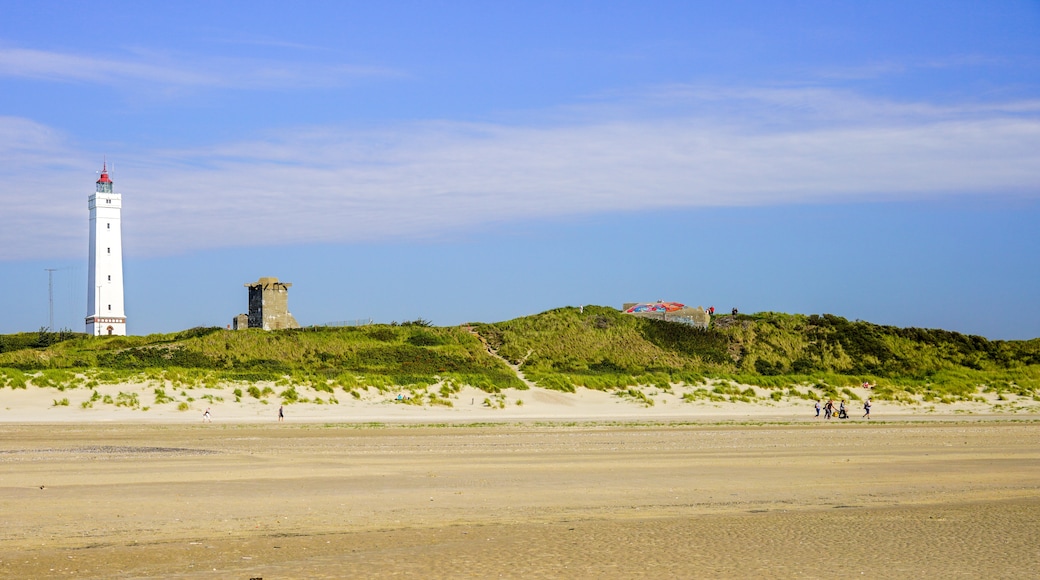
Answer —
886 68
237 37
775 146
180 70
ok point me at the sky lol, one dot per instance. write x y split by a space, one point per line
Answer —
479 161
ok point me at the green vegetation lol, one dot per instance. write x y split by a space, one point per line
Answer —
289 396
495 401
127 400
322 359
636 395
89 403
161 396
12 378
795 355
42 338
780 355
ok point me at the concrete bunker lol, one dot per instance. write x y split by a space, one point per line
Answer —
268 306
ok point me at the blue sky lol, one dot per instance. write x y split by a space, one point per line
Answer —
480 161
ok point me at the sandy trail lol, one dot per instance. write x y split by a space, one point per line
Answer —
310 501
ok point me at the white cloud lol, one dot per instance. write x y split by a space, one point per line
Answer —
885 68
151 69
430 179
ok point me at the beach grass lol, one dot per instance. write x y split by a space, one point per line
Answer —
595 347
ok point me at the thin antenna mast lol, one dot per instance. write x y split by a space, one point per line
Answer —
50 296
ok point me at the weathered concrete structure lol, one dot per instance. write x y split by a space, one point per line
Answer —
240 322
268 306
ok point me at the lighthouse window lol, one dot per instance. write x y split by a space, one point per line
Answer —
108 200
109 277
109 250
110 307
108 226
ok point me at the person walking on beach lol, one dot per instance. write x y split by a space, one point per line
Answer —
828 409
817 409
842 414
866 409
281 412
206 418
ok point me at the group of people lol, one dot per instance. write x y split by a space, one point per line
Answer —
207 418
711 311
828 409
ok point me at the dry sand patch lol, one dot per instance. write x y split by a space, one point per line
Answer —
278 501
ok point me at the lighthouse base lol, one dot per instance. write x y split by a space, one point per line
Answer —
106 326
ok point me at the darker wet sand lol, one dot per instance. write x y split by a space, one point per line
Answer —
287 501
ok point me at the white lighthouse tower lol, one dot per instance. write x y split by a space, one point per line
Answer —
105 314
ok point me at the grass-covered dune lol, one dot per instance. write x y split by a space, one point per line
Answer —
369 356
595 347
601 347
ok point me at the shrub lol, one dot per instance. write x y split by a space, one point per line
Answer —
13 378
703 394
449 388
496 401
848 394
425 338
435 400
161 397
289 395
556 383
637 395
128 400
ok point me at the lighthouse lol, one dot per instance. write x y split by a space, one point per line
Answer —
105 314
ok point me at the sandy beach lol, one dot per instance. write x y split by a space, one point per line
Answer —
187 405
558 486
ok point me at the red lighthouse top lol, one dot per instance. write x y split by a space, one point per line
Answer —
104 174
104 184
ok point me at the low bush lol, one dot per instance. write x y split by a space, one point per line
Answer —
161 396
128 400
637 395
556 383
289 396
12 378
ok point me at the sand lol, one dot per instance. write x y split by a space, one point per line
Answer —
35 405
539 484
161 499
